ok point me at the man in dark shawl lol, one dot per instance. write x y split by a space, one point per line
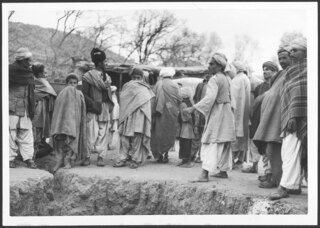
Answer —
96 88
68 128
44 103
21 108
134 121
165 115
268 132
294 122
270 69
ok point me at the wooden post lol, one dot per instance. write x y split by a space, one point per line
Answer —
120 83
120 87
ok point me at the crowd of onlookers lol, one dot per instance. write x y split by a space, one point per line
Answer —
226 121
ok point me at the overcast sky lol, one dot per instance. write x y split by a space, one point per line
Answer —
264 23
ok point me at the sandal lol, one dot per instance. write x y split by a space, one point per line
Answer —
181 163
12 164
200 179
250 170
133 165
281 193
186 165
119 164
220 175
31 164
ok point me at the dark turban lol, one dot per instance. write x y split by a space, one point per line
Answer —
38 69
271 65
97 55
137 71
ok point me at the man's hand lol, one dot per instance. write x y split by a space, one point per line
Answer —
189 110
107 84
292 125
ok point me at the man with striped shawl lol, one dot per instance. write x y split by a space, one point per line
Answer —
294 122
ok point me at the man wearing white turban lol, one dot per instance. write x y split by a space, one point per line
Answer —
165 115
219 130
240 87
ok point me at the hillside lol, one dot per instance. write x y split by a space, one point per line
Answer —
37 39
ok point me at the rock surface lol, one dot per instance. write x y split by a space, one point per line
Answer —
31 191
151 189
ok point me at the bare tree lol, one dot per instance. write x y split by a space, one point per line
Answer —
182 49
57 38
151 28
212 44
245 48
104 33
10 14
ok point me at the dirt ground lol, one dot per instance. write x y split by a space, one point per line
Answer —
238 183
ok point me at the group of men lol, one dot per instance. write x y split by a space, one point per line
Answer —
232 115
268 120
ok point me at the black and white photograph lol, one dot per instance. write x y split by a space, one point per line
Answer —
159 113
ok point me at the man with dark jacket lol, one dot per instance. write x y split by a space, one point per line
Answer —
21 108
97 93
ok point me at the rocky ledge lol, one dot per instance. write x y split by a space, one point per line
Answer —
149 190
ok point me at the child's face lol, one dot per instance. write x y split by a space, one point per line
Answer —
72 82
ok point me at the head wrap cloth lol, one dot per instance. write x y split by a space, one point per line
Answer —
136 71
239 66
271 65
167 72
220 58
284 49
23 53
299 43
97 55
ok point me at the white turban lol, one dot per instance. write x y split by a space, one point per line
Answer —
220 59
299 43
185 92
167 72
240 66
23 53
230 70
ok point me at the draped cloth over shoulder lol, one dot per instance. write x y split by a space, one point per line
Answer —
165 116
135 121
216 107
133 96
69 118
45 97
294 104
269 128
